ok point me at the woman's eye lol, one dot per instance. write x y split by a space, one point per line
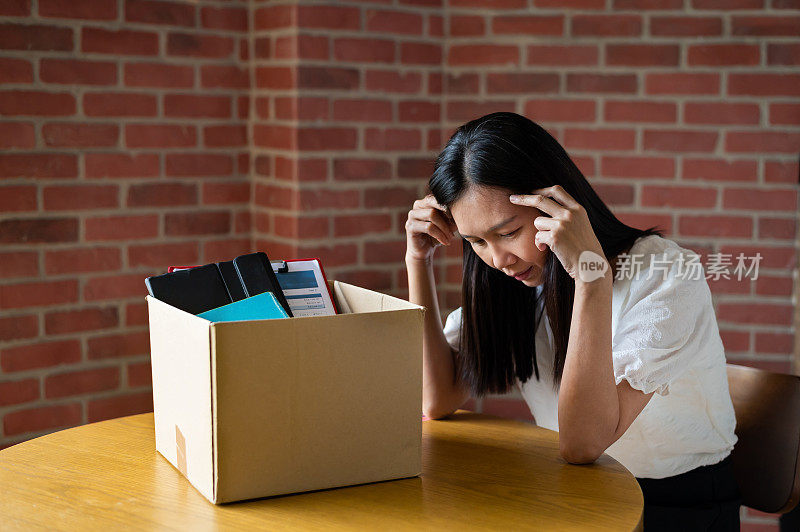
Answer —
476 242
510 234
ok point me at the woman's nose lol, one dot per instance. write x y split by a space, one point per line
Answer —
501 259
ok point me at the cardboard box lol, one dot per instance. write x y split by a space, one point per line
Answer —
269 407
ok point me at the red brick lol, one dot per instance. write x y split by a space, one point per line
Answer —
774 342
36 103
119 42
361 169
300 108
419 111
38 294
198 164
643 55
495 4
35 38
548 110
764 84
18 264
193 45
602 83
415 168
735 340
483 54
389 197
274 136
225 136
16 327
391 81
81 382
607 25
501 83
160 136
467 110
393 22
215 251
765 200
392 139
197 223
197 106
361 224
82 260
119 406
171 13
720 113
640 111
39 230
638 167
72 72
720 170
18 392
384 252
648 4
773 26
272 17
303 227
678 197
121 227
329 17
783 54
614 194
40 355
84 9
554 55
119 345
158 75
140 374
727 4
42 418
15 8
755 313
715 226
119 104
311 77
371 279
17 135
529 25
333 138
362 110
83 197
114 287
680 141
671 26
774 286
15 165
80 135
159 255
467 26
364 50
600 139
781 171
778 228
300 47
414 53
682 83
320 198
784 113
227 193
762 141
724 55
224 76
224 18
783 257
121 165
15 70
162 195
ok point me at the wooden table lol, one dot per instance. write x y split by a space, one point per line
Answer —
479 472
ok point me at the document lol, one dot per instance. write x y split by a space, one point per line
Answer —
304 285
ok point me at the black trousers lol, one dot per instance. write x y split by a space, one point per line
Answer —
706 498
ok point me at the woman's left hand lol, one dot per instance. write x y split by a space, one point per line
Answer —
567 232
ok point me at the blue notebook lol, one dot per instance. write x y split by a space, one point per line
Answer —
263 306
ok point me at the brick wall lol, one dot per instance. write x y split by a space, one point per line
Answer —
137 134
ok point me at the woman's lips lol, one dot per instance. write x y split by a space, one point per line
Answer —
524 275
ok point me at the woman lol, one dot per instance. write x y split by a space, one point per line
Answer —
631 365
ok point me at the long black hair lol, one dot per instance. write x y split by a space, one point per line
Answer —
500 314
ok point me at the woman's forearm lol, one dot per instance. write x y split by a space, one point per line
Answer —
439 395
588 404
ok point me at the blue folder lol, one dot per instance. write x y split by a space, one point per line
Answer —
260 307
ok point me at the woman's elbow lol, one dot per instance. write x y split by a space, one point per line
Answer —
435 412
579 454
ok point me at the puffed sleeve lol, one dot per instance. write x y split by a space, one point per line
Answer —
452 328
659 326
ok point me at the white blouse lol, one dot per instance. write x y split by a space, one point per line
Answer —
665 339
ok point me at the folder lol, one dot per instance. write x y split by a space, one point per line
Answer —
263 306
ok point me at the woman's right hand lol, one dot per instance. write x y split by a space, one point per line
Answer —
429 225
